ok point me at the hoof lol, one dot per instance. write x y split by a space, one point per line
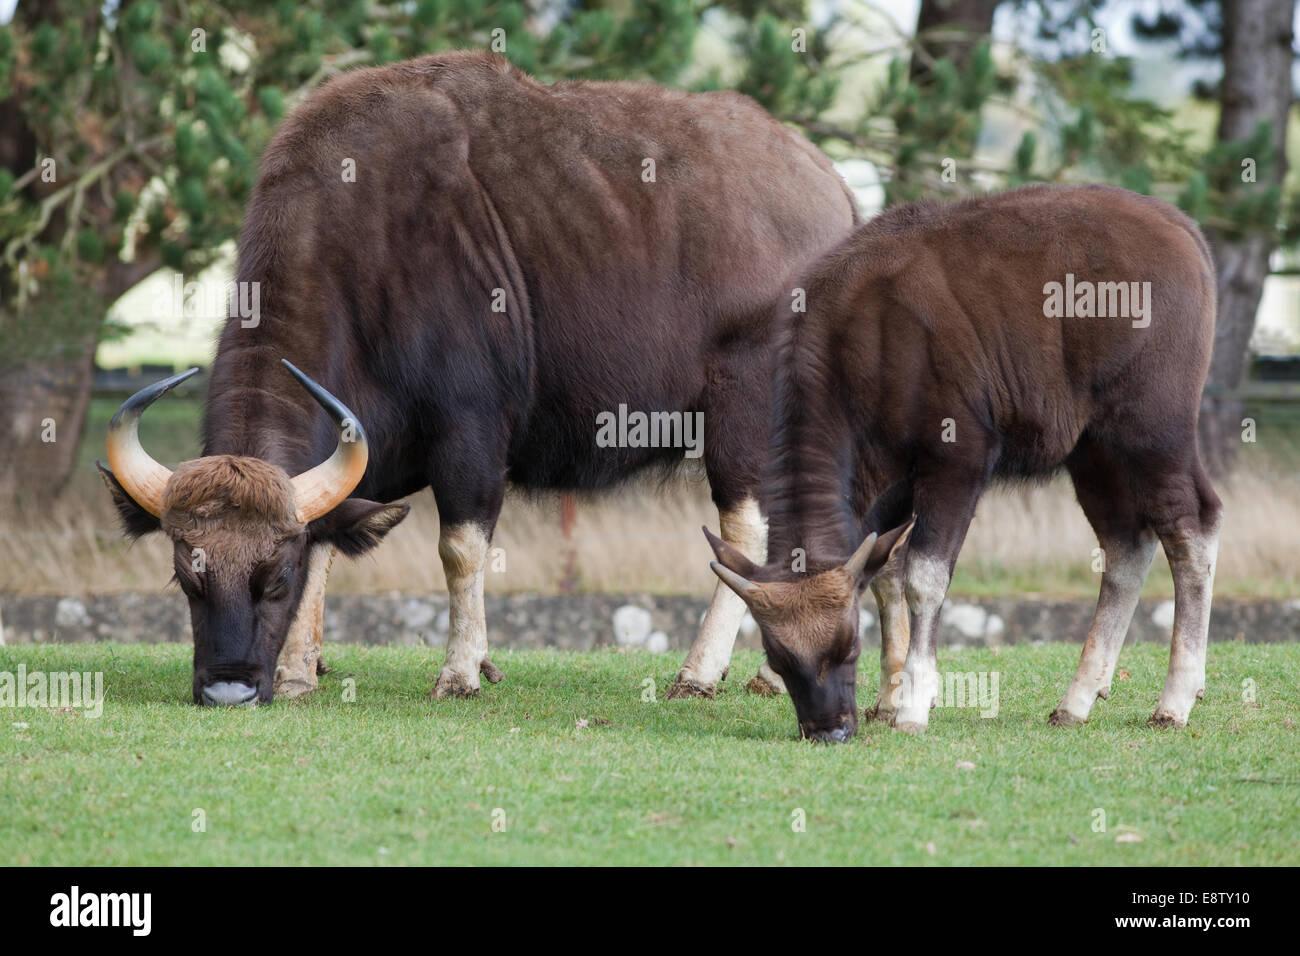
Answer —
909 727
883 714
451 684
686 689
293 688
320 667
491 672
1164 720
293 685
771 678
1063 718
760 686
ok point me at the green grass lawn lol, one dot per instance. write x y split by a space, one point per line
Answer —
396 778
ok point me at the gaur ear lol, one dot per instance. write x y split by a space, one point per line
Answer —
135 520
730 557
355 526
874 553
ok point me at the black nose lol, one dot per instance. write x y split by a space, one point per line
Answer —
229 694
836 735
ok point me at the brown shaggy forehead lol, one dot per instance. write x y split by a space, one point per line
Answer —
829 590
237 508
805 614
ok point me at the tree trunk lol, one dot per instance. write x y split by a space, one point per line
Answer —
937 26
1256 88
45 397
45 407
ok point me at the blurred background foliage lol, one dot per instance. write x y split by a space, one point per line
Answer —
130 131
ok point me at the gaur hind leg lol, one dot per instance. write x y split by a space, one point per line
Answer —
469 487
766 683
735 410
709 659
1187 515
1103 487
299 666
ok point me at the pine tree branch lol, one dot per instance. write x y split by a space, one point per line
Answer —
75 190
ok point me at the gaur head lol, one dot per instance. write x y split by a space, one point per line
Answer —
809 626
242 530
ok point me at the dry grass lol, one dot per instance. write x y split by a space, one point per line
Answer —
647 538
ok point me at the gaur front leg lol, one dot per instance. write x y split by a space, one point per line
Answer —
945 504
917 683
464 549
709 658
891 600
468 481
298 668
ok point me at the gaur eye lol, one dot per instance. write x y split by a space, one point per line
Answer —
186 573
278 586
190 583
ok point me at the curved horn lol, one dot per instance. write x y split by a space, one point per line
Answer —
139 475
318 490
731 579
728 556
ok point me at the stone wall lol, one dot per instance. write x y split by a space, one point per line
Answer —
585 621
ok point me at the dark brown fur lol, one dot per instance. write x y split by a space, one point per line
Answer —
471 178
936 312
931 312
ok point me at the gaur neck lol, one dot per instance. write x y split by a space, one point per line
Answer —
256 409
808 488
